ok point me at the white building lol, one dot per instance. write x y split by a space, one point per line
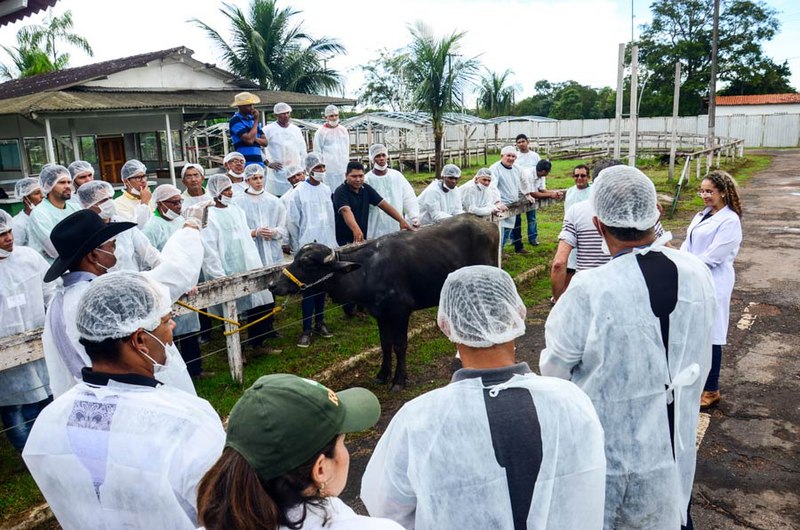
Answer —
761 104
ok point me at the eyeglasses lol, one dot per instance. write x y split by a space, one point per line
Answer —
703 193
580 176
174 203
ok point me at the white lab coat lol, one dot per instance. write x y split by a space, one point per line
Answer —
309 216
23 297
512 185
178 271
286 146
603 335
20 226
397 191
124 456
131 209
334 146
42 220
716 242
134 251
435 466
435 204
189 201
230 249
477 200
265 211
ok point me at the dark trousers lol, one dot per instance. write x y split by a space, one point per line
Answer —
261 330
205 326
18 421
189 346
533 233
712 383
313 306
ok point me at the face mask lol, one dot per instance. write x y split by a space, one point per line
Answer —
604 246
31 205
108 210
157 367
251 191
319 177
380 168
169 215
110 254
333 123
135 192
225 200
483 186
5 253
236 175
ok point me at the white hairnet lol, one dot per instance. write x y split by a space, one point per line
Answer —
50 174
80 166
198 167
252 170
508 149
375 150
25 187
331 110
118 303
133 168
230 156
484 172
624 197
5 222
312 160
217 184
93 192
294 170
451 170
281 107
164 192
479 307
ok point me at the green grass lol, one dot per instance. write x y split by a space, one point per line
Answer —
18 492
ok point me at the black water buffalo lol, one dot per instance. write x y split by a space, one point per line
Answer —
393 275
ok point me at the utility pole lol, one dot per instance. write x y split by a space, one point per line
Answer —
634 111
712 86
676 96
618 114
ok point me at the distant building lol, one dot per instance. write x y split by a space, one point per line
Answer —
760 104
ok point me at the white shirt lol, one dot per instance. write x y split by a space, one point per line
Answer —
527 163
188 200
20 226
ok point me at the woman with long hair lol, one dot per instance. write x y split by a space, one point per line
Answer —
285 462
714 236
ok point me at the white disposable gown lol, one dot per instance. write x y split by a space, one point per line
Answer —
158 231
23 297
603 335
333 143
20 226
478 200
265 211
130 208
178 271
716 242
436 204
124 456
397 191
230 249
42 220
512 185
435 466
188 200
309 216
286 146
134 251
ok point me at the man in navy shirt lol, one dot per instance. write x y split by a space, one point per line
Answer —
352 200
245 129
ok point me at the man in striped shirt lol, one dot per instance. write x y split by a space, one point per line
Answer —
245 129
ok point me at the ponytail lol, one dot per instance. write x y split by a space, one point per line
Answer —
728 188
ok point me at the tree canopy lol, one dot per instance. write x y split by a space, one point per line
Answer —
495 94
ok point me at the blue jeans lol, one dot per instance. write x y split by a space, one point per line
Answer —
533 232
18 419
712 383
313 306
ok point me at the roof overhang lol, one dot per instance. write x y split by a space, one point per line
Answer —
13 10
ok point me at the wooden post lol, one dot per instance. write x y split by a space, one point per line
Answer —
196 150
416 159
697 176
170 157
233 343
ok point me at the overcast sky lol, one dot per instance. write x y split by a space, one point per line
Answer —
556 40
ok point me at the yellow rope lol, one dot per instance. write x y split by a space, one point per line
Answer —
210 315
292 277
275 311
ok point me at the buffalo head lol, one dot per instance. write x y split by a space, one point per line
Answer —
312 265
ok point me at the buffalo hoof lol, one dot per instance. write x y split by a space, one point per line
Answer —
397 387
381 379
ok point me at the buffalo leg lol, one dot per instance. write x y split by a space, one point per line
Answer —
385 330
400 343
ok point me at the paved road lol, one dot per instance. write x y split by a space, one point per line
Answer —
748 472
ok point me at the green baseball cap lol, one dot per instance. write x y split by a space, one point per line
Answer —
283 421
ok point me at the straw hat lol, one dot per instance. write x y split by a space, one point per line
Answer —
245 98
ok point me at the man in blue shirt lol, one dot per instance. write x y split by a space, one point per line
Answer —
245 129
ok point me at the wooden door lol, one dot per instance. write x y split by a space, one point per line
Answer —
111 155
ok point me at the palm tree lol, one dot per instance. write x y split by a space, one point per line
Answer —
27 59
439 76
266 47
52 32
494 97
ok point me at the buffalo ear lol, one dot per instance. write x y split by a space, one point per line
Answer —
343 267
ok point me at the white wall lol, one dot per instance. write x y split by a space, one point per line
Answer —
163 74
757 110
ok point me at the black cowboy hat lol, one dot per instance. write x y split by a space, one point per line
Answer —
77 235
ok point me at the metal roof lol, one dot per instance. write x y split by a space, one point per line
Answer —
14 10
407 120
506 119
758 99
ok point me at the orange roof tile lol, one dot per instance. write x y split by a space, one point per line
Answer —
758 99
